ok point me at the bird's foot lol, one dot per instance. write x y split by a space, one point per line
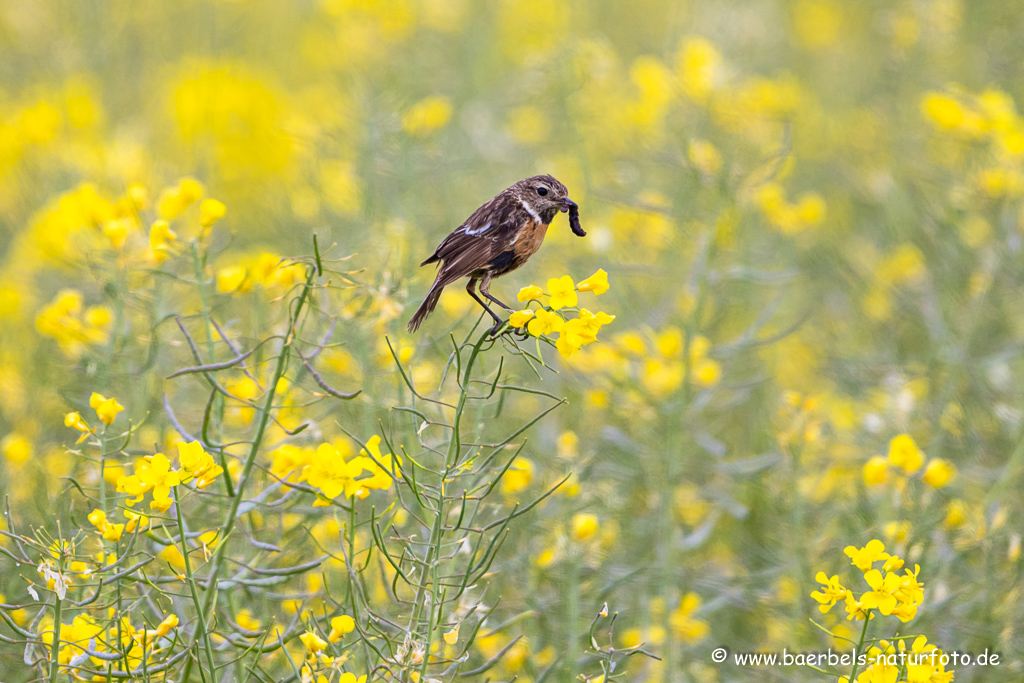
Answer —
503 328
499 329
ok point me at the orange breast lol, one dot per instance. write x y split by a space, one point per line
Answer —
530 239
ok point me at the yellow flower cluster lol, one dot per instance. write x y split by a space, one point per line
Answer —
106 409
330 469
135 644
990 116
684 621
265 270
886 662
427 116
573 333
889 594
317 659
787 217
655 360
664 368
73 327
112 531
154 473
905 455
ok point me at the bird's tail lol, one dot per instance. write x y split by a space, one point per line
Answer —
428 304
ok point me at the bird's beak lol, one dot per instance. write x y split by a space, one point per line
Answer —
568 204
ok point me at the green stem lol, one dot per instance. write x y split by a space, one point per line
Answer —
55 645
572 643
257 442
860 644
200 283
434 552
103 472
201 623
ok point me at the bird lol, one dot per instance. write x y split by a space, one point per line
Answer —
497 238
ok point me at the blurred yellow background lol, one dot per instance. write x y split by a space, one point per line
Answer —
810 212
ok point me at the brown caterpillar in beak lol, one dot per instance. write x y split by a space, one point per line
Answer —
574 221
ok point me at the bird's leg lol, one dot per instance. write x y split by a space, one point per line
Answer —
485 289
485 285
471 288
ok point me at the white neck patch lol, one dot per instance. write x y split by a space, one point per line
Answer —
530 211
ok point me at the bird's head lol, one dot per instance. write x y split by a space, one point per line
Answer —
542 193
545 196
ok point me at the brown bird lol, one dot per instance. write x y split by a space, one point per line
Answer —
499 237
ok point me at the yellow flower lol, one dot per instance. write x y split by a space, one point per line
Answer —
518 476
313 642
134 520
426 116
596 283
592 324
893 564
106 408
451 637
563 292
74 420
341 626
699 65
956 514
831 591
211 211
571 338
116 230
111 532
875 471
160 238
380 474
545 322
520 318
938 473
881 594
165 627
942 110
707 372
855 610
247 621
862 558
529 293
191 190
16 448
584 525
683 621
152 473
232 279
170 622
903 452
349 677
330 473
197 464
661 378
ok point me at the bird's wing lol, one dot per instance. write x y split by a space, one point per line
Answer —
485 235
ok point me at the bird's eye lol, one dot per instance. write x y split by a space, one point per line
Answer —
542 191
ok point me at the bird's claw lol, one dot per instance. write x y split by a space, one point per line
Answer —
502 328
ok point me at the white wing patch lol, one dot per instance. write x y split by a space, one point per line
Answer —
485 228
530 211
